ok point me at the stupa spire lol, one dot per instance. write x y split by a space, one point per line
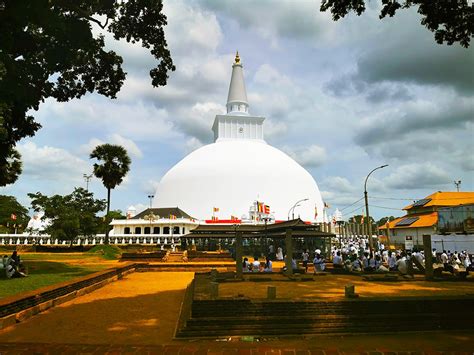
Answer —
237 98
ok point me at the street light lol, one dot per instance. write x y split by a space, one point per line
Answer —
87 178
369 229
151 198
293 208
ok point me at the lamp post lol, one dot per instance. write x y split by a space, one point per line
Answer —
87 178
369 229
151 198
294 206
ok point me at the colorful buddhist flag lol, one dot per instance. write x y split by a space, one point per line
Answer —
172 216
216 209
260 207
266 209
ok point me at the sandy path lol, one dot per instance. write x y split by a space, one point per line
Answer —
142 309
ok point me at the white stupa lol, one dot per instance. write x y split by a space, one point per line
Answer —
238 169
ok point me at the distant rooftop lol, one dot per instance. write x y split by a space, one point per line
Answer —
443 199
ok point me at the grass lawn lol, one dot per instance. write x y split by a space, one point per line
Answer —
45 269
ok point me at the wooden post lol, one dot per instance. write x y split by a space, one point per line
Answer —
428 257
238 254
289 252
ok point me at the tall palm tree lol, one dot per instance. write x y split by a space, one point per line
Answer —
112 166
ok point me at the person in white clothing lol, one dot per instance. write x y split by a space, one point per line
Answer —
256 265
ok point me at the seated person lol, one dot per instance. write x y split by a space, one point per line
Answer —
255 265
392 262
337 261
15 260
268 265
246 265
318 263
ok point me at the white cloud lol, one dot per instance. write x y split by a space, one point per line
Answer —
418 176
53 164
116 139
311 156
339 184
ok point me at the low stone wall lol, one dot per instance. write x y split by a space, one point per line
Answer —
17 308
186 308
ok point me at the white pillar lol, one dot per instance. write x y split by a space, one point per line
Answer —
48 241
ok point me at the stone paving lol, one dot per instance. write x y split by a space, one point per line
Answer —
201 349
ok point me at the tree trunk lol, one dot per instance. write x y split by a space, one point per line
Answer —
106 241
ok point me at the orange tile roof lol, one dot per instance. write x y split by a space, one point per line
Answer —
424 220
447 199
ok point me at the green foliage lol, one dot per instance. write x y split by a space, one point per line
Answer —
70 215
451 21
49 49
109 252
113 165
8 206
382 221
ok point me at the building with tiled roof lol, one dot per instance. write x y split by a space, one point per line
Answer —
422 216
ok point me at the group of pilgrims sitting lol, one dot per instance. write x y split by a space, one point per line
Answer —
352 259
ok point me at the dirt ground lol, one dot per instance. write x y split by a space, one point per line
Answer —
142 308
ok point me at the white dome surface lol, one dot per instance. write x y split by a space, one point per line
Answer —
231 175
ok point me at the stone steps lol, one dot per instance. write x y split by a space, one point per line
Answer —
215 318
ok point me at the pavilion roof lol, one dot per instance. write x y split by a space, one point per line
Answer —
298 227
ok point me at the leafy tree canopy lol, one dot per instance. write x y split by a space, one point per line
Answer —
382 221
10 206
451 21
48 49
71 215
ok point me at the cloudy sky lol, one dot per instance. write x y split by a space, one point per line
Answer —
340 97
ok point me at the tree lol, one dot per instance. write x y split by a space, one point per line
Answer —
115 164
10 207
451 21
71 215
114 214
48 50
382 221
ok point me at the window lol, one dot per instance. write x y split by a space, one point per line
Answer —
138 230
147 230
184 231
166 230
126 230
156 230
175 230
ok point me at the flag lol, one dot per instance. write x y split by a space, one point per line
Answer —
315 212
362 220
172 216
214 218
326 205
259 206
266 209
233 218
13 216
216 209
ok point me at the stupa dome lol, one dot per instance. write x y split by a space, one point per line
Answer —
239 169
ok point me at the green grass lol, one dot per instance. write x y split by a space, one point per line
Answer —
44 273
109 252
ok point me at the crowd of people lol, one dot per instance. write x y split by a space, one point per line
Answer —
13 266
353 255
